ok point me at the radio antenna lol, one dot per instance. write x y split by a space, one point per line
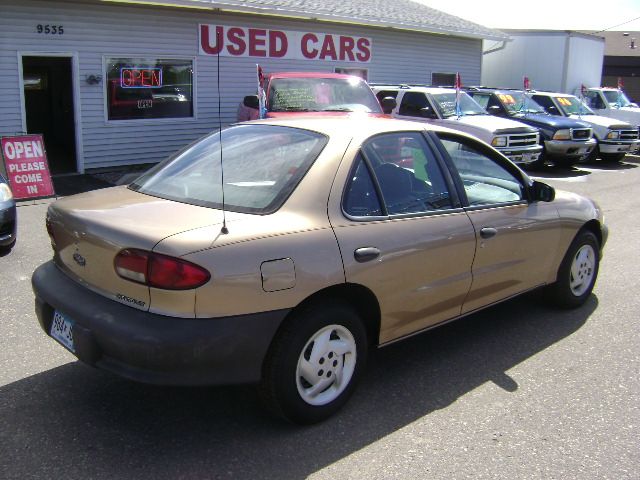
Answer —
224 230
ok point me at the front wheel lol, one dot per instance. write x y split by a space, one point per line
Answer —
612 157
578 272
314 363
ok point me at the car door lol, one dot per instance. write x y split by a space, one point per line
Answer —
516 238
402 232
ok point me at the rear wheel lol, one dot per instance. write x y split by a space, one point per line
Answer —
314 363
578 272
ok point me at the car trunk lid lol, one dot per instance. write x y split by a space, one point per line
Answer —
90 229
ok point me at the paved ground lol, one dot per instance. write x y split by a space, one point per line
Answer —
520 391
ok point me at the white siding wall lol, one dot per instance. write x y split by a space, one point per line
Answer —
557 61
586 56
94 30
540 57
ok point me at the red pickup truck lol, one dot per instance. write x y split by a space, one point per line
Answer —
291 93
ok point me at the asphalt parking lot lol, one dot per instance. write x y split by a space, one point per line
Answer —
520 391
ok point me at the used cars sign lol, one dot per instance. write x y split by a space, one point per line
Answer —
256 42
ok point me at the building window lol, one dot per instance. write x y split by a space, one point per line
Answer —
148 88
363 73
443 79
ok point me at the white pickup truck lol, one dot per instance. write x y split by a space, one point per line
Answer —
615 137
517 141
613 103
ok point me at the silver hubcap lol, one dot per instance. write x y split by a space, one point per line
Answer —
326 365
582 270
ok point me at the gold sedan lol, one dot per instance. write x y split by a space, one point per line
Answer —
279 252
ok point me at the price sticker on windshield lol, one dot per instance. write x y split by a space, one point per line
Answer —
507 99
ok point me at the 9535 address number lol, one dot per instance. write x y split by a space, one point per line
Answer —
50 29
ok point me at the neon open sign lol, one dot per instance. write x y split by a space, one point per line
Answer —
134 77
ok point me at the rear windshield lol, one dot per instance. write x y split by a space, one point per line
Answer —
321 95
262 165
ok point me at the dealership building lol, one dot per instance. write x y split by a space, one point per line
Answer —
113 83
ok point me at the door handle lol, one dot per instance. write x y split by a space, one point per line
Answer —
365 254
488 232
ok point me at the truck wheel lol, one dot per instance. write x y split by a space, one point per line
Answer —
565 162
612 157
593 155
314 363
577 273
538 164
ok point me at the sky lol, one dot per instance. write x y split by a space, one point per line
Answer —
545 14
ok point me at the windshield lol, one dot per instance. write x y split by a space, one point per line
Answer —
262 166
321 95
573 106
446 104
518 102
617 98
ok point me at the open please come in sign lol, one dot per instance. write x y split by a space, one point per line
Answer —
25 162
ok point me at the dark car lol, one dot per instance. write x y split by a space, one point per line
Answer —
566 141
7 216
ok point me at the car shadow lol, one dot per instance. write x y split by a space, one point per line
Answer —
77 422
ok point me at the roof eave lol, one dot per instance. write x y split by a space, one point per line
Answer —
277 12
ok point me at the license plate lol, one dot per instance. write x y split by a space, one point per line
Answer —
62 330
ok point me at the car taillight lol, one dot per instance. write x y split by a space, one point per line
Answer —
159 271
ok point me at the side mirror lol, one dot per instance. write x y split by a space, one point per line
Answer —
553 110
427 112
251 101
388 104
542 192
494 110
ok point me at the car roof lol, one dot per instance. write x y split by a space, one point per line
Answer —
414 88
311 75
354 125
551 94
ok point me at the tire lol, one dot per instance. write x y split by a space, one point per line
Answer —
565 162
578 272
538 164
612 157
593 155
7 248
314 363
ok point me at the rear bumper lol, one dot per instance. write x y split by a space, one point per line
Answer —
7 223
569 148
155 348
522 156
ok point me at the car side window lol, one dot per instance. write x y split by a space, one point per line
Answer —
485 181
412 103
593 100
407 173
361 198
386 93
483 100
546 103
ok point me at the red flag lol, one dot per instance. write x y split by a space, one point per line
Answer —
261 92
260 75
620 83
527 84
458 81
